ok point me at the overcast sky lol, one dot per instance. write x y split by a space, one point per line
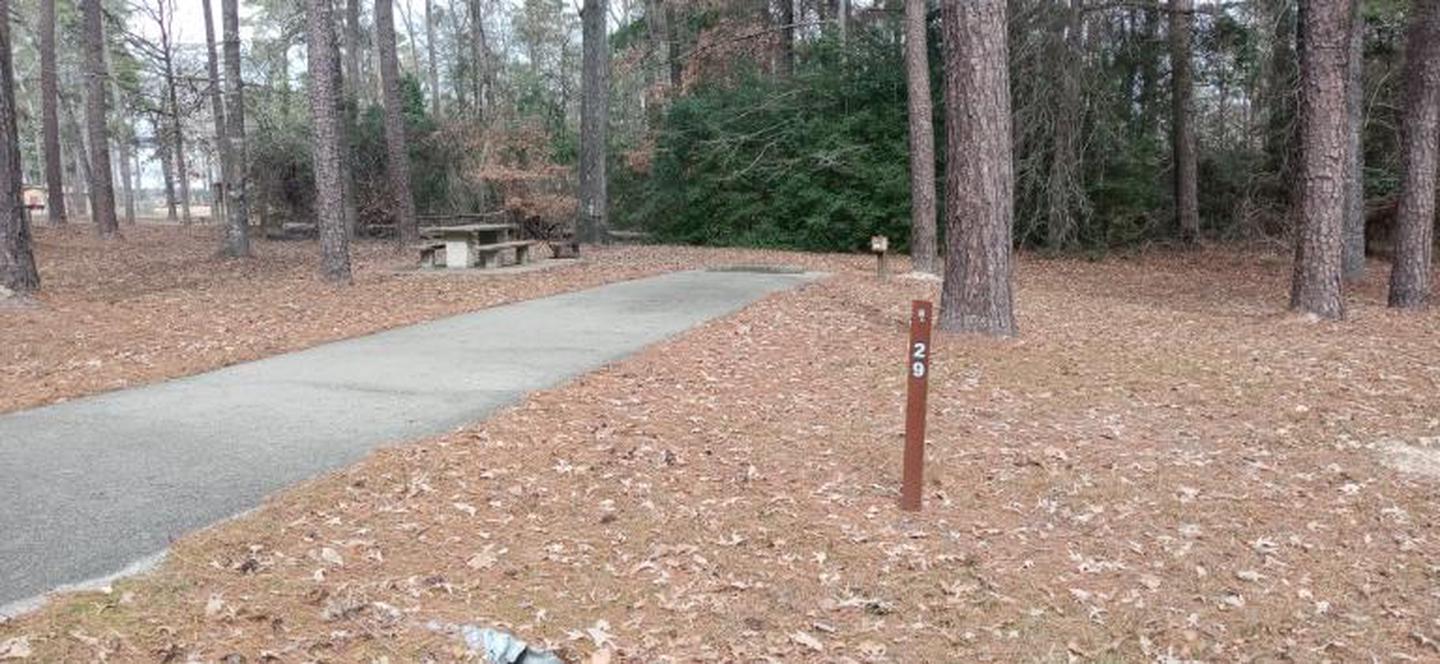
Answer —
190 19
189 23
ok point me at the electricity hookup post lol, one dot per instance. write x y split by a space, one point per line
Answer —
917 367
880 246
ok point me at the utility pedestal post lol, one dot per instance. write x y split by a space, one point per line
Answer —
880 246
917 368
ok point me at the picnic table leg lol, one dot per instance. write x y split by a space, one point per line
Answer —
458 254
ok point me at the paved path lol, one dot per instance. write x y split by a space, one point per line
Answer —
92 486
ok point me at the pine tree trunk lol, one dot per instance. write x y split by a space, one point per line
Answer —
348 116
50 115
977 294
177 140
102 189
79 161
1148 72
1318 250
18 276
236 242
127 189
122 146
1280 104
349 86
397 154
212 70
786 64
1187 199
430 54
167 172
1415 219
677 66
594 122
352 49
922 139
1062 227
237 210
477 56
1353 262
325 128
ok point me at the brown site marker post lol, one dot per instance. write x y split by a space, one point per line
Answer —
917 367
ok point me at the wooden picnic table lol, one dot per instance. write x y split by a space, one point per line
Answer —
468 244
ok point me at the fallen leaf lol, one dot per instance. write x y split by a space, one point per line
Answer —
808 641
15 648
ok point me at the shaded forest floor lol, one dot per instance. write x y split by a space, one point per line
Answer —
1165 466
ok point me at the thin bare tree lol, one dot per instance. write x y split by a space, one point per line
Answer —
352 49
785 64
1353 263
236 242
50 115
922 139
434 69
237 209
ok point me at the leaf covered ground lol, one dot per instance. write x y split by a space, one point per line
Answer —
160 304
1163 467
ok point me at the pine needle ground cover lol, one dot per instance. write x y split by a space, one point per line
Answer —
1162 467
161 304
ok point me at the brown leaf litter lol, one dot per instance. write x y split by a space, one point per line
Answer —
1164 466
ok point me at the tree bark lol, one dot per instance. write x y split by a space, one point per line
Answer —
325 121
78 153
349 115
477 52
594 122
127 183
922 139
165 155
123 143
672 28
397 154
18 276
352 49
1415 218
1064 190
1318 250
785 66
102 189
430 53
212 70
237 210
977 294
176 128
236 242
1353 261
50 115
1187 198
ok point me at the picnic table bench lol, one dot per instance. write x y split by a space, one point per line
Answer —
471 245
